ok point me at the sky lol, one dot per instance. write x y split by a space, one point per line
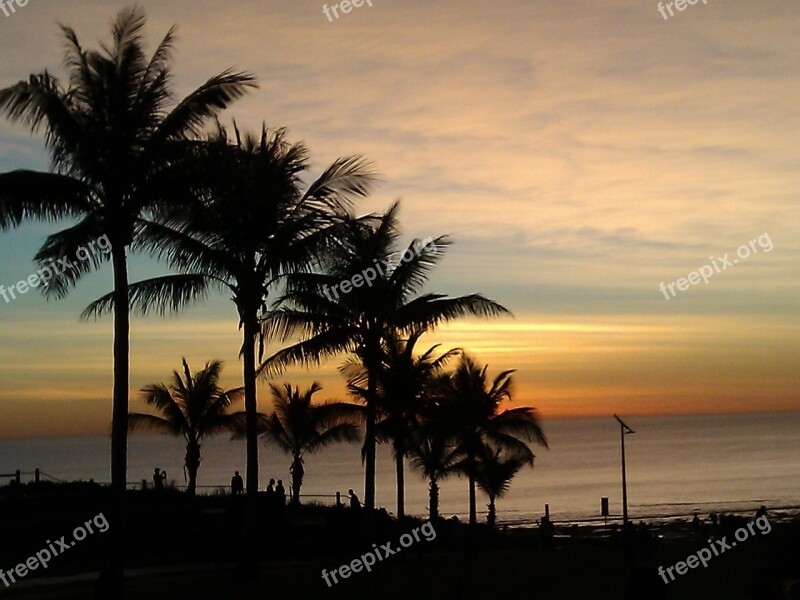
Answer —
580 153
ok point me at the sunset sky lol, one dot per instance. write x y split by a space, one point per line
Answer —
579 152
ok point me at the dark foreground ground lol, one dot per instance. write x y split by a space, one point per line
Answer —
179 548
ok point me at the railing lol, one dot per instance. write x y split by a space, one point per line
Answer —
145 485
39 475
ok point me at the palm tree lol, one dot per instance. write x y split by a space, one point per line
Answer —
298 426
254 224
474 413
433 450
192 406
117 141
404 381
493 474
360 322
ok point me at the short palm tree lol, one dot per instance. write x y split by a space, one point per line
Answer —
362 320
192 406
118 146
474 413
493 474
254 224
298 426
433 451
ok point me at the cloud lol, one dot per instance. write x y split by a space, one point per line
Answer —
579 153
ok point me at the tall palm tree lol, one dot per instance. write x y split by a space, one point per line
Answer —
298 426
404 382
493 474
360 321
474 413
117 139
253 225
192 406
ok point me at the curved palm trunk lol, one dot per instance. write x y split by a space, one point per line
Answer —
369 439
192 465
473 509
400 453
119 423
250 401
297 479
111 581
491 518
473 502
434 499
249 559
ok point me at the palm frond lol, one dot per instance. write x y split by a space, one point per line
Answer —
160 294
26 195
345 179
70 254
152 423
343 432
215 95
430 310
41 101
522 422
308 352
161 397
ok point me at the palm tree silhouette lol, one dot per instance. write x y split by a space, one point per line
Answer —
361 321
298 426
432 444
117 142
192 406
474 413
404 381
493 474
254 226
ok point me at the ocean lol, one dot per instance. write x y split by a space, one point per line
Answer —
676 465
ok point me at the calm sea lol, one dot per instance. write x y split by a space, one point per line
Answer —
675 465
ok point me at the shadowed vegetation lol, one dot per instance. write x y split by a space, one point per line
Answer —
192 406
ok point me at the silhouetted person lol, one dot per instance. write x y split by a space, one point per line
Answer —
355 503
280 494
761 512
272 497
237 484
159 477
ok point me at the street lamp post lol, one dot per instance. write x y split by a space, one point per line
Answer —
623 431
